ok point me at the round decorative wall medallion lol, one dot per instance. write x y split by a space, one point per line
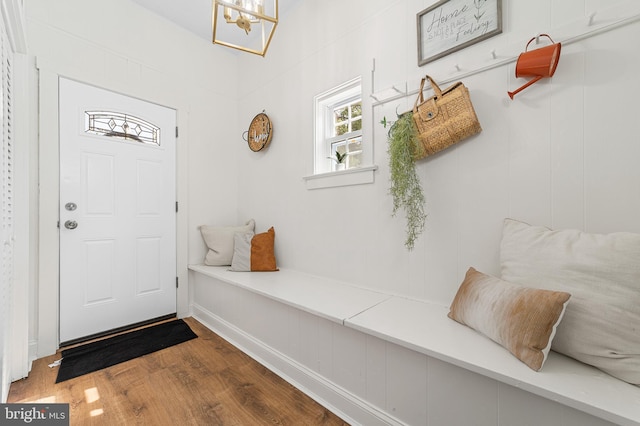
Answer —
260 132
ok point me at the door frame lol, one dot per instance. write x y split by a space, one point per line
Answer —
47 307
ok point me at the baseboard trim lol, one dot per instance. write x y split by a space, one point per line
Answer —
341 402
33 352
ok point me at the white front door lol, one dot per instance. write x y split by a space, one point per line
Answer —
117 210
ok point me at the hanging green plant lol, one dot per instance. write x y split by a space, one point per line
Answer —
406 189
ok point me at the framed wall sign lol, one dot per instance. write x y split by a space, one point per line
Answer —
451 25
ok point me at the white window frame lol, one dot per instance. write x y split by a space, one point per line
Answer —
324 104
324 172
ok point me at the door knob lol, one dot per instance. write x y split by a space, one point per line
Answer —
71 224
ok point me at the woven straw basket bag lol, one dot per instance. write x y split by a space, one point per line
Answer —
444 119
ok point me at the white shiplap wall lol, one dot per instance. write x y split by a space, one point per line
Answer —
562 154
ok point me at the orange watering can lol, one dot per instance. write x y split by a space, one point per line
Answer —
538 63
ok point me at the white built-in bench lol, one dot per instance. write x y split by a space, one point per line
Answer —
425 328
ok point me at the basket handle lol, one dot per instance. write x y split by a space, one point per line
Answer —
540 35
434 86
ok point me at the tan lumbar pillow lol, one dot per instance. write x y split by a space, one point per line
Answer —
523 320
220 242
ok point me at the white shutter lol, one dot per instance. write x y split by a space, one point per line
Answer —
6 236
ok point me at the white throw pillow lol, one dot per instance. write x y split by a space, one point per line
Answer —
601 325
219 240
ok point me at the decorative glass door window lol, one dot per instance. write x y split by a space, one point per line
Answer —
123 126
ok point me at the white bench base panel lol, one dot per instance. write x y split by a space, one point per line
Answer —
374 358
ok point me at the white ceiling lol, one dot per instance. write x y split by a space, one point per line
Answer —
195 15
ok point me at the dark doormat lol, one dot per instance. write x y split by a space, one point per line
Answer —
105 353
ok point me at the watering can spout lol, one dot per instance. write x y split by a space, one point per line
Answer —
521 88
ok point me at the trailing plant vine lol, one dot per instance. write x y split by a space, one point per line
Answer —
406 189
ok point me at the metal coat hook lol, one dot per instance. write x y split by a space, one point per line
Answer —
591 18
493 54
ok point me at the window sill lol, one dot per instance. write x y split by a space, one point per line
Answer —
355 176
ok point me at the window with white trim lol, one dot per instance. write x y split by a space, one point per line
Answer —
338 128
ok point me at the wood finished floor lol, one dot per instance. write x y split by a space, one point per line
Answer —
205 381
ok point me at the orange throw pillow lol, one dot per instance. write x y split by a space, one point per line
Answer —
262 255
254 252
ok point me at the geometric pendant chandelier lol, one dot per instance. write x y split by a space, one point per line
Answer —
246 25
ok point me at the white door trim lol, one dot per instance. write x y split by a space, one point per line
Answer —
49 254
